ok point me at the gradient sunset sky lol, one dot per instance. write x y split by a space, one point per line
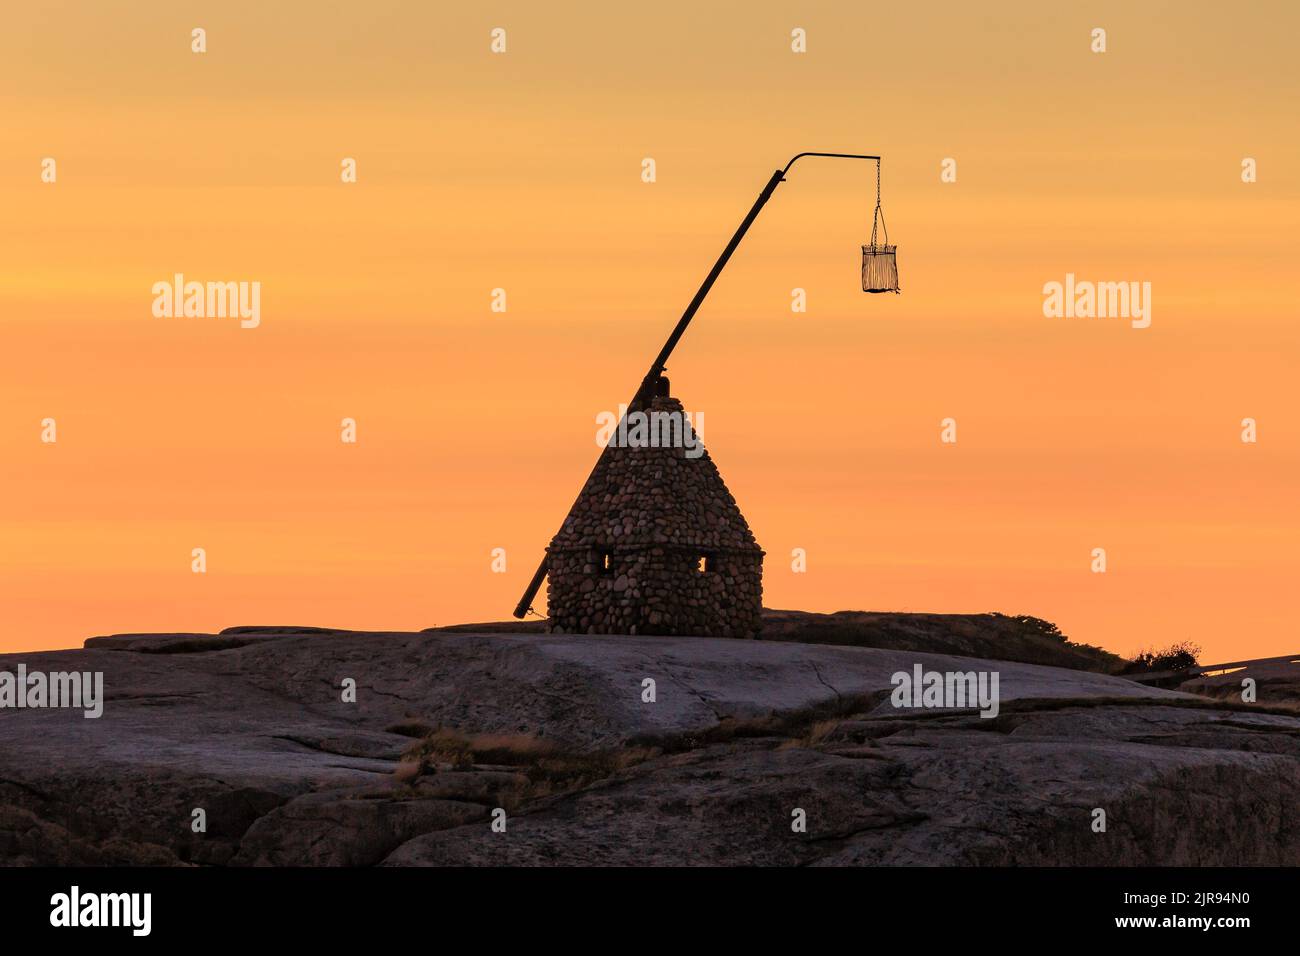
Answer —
523 171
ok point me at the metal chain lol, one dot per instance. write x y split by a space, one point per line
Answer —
875 215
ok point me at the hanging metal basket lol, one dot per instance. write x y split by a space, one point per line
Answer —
879 261
879 269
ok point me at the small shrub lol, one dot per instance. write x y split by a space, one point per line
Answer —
1177 656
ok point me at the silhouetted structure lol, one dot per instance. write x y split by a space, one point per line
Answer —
655 544
879 274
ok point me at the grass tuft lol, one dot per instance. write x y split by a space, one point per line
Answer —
547 767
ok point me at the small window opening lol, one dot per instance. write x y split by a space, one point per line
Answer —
705 564
606 564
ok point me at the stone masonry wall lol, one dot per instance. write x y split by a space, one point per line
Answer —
656 590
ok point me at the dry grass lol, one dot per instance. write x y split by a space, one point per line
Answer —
445 746
551 768
548 767
819 719
816 735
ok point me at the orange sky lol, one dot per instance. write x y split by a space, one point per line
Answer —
522 171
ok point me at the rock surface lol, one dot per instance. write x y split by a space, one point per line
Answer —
250 727
1275 682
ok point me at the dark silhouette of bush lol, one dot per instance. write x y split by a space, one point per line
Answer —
1177 656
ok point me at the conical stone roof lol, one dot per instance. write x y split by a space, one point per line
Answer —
656 497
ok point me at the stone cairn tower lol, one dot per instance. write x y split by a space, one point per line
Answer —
655 544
